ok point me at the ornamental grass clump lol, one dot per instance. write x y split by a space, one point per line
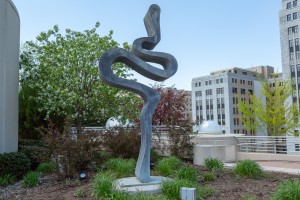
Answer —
7 180
287 190
171 189
167 166
213 164
187 173
46 168
248 168
103 185
121 167
31 179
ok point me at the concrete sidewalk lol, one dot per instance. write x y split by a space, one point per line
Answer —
276 166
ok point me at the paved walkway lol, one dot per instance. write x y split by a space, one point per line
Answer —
277 166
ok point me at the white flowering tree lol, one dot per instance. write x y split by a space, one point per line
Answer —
63 68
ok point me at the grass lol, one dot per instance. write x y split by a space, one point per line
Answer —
209 176
287 190
168 165
7 180
121 167
31 179
46 168
103 185
81 193
171 189
213 164
248 168
188 173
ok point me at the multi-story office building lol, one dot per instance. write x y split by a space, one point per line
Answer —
289 37
216 96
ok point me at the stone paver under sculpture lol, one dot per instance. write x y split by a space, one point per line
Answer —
137 59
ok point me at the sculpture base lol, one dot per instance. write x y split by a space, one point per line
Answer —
134 185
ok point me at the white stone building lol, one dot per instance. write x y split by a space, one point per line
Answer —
216 96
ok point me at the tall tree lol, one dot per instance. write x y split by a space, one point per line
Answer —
63 69
170 110
275 114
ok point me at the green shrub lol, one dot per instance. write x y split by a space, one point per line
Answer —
168 165
46 167
248 168
103 185
287 190
31 179
171 189
120 195
188 173
15 163
121 167
37 151
144 196
209 176
213 164
7 179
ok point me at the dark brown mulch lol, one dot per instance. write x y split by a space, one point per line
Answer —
229 187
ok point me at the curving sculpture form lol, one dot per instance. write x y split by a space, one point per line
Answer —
137 60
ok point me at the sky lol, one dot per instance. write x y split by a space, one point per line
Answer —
203 35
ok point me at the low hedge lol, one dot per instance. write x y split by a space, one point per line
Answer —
16 163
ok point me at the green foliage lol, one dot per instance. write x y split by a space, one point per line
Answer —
187 173
168 165
81 193
103 185
121 167
209 176
144 196
248 168
287 190
36 150
276 115
31 179
16 163
46 168
120 142
72 58
171 189
120 195
249 198
70 154
213 164
7 180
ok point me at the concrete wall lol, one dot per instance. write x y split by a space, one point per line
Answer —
9 75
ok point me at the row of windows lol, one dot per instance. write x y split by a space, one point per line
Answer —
234 80
293 48
209 82
244 131
291 17
293 71
243 91
289 4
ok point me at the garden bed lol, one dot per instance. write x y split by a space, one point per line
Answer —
227 184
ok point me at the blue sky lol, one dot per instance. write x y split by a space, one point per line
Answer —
203 35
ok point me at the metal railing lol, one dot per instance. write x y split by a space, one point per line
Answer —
269 144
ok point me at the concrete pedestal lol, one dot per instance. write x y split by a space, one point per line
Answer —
9 75
134 185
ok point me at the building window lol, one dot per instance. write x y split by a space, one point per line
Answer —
198 93
196 84
243 91
295 16
234 90
291 46
210 82
217 81
208 92
291 56
289 5
292 71
290 30
221 80
294 3
199 84
220 90
297 147
288 17
293 29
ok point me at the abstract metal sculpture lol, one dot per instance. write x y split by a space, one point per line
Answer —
137 60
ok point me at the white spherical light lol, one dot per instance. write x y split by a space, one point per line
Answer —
210 127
